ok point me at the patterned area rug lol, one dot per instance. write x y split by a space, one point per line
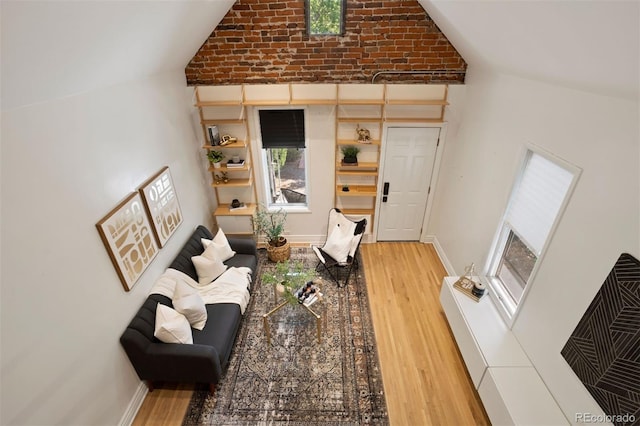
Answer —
296 380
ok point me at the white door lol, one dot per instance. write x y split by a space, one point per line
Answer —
408 165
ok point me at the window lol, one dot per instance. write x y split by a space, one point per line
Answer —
535 206
325 17
284 157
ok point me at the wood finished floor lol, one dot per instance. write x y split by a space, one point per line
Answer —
424 377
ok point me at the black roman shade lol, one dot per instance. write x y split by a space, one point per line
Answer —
282 128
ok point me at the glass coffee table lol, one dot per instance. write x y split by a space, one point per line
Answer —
318 303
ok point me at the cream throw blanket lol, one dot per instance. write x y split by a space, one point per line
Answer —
230 287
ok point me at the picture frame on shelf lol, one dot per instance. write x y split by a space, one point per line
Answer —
214 135
128 238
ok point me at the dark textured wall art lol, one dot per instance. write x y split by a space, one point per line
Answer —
604 349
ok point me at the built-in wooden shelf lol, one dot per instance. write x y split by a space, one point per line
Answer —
354 142
232 183
223 121
357 172
357 211
360 101
359 119
435 102
223 210
357 191
219 103
238 144
274 102
313 102
361 166
228 103
412 120
224 168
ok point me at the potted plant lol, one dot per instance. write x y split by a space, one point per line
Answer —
350 155
271 225
288 277
215 157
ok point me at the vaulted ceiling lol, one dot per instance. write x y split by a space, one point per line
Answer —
55 49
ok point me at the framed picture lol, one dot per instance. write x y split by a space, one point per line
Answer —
161 202
128 238
214 135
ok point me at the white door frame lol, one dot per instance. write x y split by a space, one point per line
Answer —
434 175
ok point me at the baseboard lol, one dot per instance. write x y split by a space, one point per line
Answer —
432 239
136 402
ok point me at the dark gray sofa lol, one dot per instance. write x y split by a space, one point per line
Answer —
206 359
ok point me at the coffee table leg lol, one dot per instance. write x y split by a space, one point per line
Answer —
265 321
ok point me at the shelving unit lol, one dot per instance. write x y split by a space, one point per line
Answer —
224 107
369 106
359 106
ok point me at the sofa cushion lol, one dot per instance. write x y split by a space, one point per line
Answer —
189 303
193 247
220 332
172 326
209 266
239 260
220 244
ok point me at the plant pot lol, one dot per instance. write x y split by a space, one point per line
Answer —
279 253
216 165
350 161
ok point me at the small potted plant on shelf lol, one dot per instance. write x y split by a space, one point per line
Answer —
270 223
350 155
215 157
288 277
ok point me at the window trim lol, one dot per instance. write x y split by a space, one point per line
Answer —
343 20
264 187
507 308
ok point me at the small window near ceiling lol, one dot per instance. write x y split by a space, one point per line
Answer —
537 200
284 157
325 17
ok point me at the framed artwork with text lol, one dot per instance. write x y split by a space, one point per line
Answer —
128 237
162 204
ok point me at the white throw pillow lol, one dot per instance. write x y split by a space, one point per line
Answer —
208 265
172 326
220 242
188 302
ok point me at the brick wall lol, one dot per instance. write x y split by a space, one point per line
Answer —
265 41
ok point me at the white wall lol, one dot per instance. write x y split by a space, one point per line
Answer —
65 164
598 134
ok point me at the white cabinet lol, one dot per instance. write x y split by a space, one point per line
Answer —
518 396
483 338
511 390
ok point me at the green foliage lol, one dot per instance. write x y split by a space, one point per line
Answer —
279 156
292 275
269 223
325 16
350 151
215 156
